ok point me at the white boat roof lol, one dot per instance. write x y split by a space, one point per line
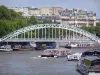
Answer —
91 58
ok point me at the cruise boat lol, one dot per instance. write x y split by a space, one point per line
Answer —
69 46
6 48
73 45
55 53
89 65
17 47
74 56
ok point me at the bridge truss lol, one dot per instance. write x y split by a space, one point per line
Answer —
51 32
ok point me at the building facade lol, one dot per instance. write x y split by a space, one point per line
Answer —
53 18
34 11
50 10
78 17
23 10
74 17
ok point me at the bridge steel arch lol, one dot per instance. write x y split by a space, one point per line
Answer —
39 26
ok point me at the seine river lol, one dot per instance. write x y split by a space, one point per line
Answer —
28 63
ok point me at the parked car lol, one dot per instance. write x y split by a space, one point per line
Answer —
75 56
89 65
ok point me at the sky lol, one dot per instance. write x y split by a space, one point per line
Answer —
89 5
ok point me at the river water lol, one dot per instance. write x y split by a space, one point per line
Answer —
28 63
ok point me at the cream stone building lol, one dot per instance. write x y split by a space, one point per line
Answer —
78 17
50 10
34 11
23 10
74 17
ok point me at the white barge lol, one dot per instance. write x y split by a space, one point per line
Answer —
6 48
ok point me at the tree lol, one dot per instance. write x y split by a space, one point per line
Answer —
5 13
98 24
33 20
93 30
47 21
10 21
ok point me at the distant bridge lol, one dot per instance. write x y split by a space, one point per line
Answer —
50 33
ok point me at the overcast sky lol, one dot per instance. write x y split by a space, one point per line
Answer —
90 5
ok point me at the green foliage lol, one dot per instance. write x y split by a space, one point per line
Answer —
33 20
43 45
94 30
15 15
10 21
87 62
6 27
5 13
47 21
